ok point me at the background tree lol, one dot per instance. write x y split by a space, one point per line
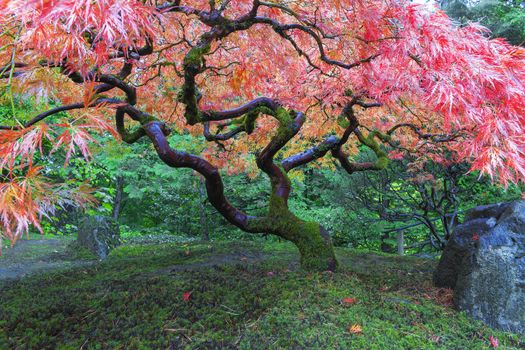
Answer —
339 75
505 18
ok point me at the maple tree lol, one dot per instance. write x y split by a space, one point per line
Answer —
286 83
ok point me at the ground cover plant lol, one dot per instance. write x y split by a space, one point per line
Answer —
244 295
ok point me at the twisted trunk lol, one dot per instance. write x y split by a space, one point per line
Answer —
311 239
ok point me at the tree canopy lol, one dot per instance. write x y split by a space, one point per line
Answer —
271 85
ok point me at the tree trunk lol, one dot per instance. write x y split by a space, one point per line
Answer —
312 240
400 243
203 217
117 202
316 249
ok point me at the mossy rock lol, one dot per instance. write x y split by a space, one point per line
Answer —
99 235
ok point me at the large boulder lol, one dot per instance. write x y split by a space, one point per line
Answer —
484 262
99 235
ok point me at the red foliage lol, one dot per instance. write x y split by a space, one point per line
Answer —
411 59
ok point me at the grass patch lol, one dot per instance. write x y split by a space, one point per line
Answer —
133 301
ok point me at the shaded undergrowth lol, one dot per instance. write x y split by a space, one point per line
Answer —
243 296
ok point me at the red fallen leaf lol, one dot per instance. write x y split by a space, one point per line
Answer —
475 237
494 342
349 301
186 296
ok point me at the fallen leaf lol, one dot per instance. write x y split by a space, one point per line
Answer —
355 329
349 301
186 296
494 342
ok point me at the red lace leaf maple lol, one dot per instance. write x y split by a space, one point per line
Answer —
436 88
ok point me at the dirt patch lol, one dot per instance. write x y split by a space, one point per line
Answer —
29 257
233 258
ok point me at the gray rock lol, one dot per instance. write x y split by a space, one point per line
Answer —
484 262
460 245
99 235
487 211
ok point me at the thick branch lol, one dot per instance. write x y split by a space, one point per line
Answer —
128 137
215 188
289 126
266 102
310 155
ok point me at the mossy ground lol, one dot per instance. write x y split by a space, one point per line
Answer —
243 296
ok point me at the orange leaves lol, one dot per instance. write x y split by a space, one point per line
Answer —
21 200
21 146
355 329
25 198
25 195
425 71
239 78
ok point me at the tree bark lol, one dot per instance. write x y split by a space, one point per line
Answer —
117 203
316 249
203 217
310 238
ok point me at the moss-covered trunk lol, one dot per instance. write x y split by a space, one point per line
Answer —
315 247
312 240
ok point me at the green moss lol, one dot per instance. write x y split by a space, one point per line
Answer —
316 251
196 55
283 116
193 61
343 122
76 252
135 301
382 162
382 157
249 122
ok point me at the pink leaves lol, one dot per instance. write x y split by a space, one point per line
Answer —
84 31
494 342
